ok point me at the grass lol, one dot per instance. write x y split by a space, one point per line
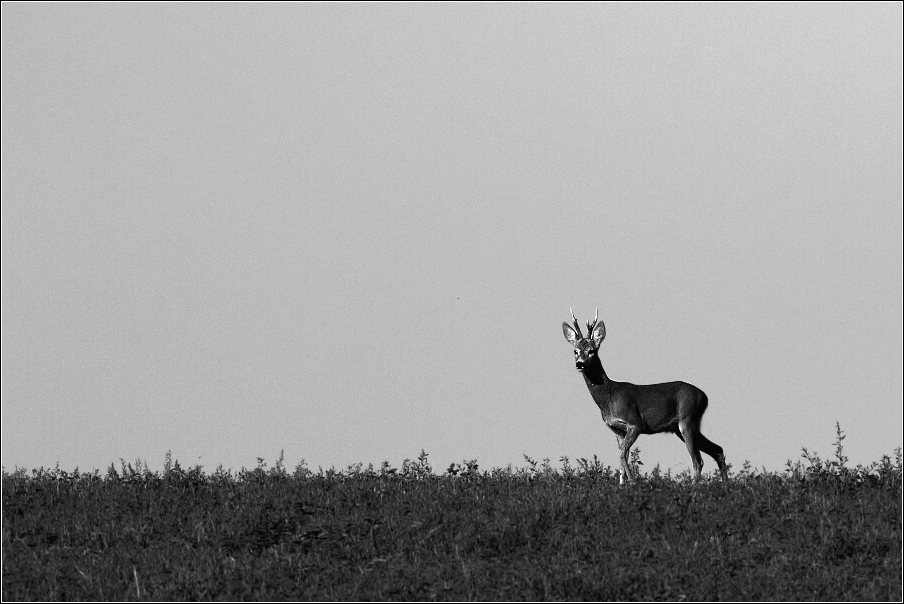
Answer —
816 531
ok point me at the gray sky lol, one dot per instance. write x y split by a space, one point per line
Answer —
352 232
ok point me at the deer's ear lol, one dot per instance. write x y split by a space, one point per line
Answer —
599 334
570 334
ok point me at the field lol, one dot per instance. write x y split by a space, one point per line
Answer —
816 531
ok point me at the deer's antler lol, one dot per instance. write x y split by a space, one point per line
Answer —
577 327
591 325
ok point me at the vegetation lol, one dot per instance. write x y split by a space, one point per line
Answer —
816 531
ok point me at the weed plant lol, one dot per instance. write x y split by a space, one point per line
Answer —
818 530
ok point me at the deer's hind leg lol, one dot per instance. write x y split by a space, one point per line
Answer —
714 451
690 433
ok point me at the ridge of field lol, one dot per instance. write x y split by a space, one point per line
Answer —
817 531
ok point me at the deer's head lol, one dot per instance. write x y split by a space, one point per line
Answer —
585 348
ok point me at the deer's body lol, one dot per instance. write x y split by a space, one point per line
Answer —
631 410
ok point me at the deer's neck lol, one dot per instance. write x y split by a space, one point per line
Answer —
595 375
598 383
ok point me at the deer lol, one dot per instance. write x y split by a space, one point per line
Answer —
631 410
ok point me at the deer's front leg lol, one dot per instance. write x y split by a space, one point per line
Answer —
620 437
624 446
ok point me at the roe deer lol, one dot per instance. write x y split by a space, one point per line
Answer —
631 410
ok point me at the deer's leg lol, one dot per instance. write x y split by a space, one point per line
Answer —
620 438
631 434
689 434
714 451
